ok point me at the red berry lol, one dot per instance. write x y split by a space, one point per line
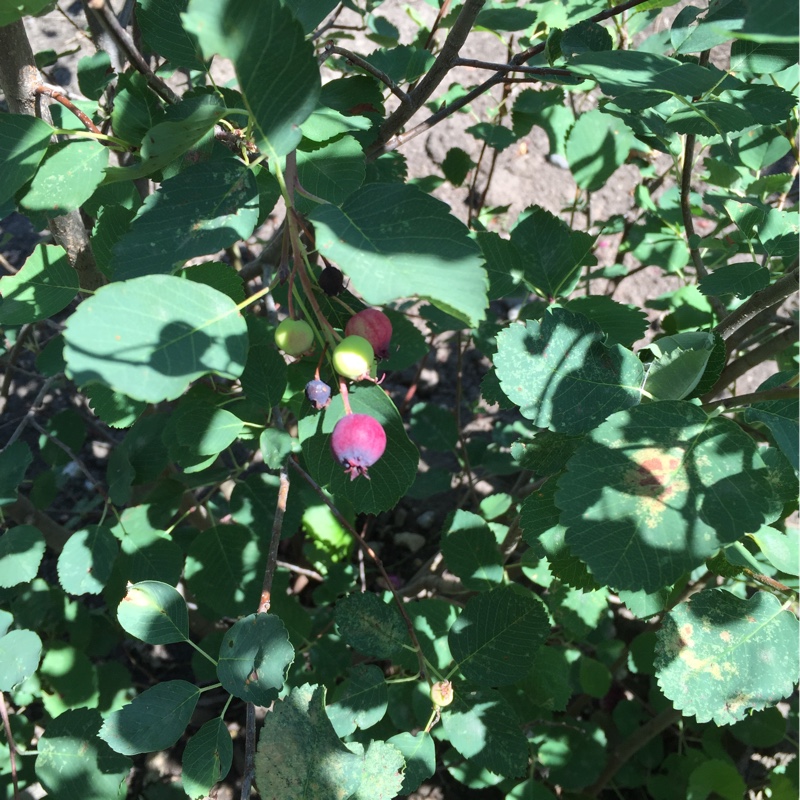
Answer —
357 442
374 326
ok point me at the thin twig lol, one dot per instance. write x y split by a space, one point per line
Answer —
389 141
332 49
443 64
249 752
31 412
635 742
12 746
752 358
768 297
307 573
73 457
124 41
12 359
778 393
443 9
49 91
277 525
686 206
477 64
375 560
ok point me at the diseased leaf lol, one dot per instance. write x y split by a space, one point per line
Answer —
719 656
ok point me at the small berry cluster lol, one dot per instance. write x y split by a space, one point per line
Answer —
358 440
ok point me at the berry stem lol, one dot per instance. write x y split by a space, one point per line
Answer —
345 396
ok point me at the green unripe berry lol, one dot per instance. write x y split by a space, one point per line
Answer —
353 357
442 693
294 336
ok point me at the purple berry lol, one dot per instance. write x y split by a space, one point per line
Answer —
318 394
357 442
374 326
331 280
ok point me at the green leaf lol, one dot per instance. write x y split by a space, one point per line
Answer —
332 171
94 74
420 754
585 37
780 416
147 553
395 241
765 21
87 559
675 486
483 727
597 145
717 777
166 141
326 124
782 550
275 445
470 550
45 285
160 24
718 656
361 701
155 720
201 429
16 9
504 263
310 14
73 764
742 279
264 376
66 178
23 144
710 118
19 657
498 137
497 634
14 462
621 71
224 569
562 376
150 337
207 758
433 427
137 109
219 276
753 58
389 478
574 754
456 165
381 773
622 324
679 364
766 104
552 253
21 552
254 658
155 613
547 454
402 64
371 626
279 99
114 408
299 756
205 208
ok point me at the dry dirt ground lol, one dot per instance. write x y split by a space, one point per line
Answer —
522 176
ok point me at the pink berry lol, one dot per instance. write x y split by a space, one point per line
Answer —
374 326
357 442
